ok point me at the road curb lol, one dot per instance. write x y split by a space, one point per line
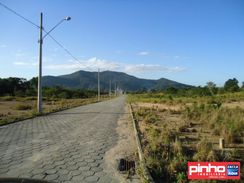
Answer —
145 170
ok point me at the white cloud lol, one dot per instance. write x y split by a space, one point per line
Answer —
181 57
101 63
62 67
20 63
141 68
90 64
175 69
143 53
94 63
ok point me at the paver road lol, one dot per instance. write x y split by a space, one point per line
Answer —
67 146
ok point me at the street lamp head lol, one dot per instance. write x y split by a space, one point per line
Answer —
68 18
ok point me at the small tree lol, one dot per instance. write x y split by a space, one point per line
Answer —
34 82
212 87
172 90
232 85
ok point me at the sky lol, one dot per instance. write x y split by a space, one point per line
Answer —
189 41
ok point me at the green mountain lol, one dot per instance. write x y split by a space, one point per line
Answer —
88 80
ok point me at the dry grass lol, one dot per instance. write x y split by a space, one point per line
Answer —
13 109
233 105
174 133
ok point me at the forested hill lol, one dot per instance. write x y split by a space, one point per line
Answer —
88 80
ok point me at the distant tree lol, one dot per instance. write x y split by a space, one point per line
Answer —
13 86
242 85
172 90
33 82
212 87
198 91
232 85
153 91
221 90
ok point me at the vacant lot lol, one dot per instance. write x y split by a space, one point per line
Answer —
17 108
177 130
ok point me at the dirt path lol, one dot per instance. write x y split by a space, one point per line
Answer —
125 148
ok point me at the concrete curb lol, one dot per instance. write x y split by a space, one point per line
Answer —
146 173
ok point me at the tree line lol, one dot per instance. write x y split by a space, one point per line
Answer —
14 86
210 89
22 87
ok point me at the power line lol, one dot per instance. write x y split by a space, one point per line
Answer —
19 15
29 21
67 51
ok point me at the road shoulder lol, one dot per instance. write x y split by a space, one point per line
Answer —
125 148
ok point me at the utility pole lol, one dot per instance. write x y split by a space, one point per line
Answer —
40 41
110 88
115 90
39 98
98 85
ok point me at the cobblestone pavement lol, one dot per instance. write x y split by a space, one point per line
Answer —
67 146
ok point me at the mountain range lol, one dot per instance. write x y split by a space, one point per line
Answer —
88 80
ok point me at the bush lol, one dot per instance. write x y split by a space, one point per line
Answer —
23 107
205 152
7 98
151 118
181 178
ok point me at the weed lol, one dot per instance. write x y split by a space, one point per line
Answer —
181 178
204 120
205 151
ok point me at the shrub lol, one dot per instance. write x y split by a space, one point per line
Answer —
7 98
156 165
23 107
181 178
151 118
205 152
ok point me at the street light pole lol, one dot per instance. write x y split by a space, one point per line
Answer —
110 88
98 85
39 92
115 89
39 97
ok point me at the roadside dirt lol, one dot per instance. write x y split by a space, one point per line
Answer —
160 106
125 148
234 104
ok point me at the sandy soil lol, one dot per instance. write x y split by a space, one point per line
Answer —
160 106
234 104
125 148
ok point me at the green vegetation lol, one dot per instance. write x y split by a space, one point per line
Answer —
18 99
23 107
164 156
128 83
226 122
20 87
232 85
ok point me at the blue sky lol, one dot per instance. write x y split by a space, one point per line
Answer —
190 41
